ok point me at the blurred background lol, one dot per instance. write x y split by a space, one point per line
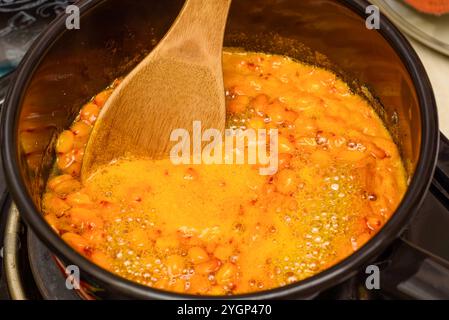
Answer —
426 25
21 21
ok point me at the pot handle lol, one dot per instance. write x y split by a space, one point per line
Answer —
415 273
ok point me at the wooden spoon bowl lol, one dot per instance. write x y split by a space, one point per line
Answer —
179 82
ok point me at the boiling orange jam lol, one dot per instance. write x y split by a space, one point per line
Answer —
226 229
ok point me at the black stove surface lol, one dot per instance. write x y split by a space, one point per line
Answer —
408 266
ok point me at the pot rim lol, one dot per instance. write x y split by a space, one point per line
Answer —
336 274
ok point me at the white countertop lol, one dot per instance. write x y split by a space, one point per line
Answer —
437 66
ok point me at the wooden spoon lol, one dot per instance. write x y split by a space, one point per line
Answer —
179 82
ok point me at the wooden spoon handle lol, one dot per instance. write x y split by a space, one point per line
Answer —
195 35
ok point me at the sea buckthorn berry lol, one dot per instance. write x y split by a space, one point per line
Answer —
217 291
55 205
79 155
65 160
76 241
166 243
210 247
179 285
199 284
287 181
290 116
81 129
197 255
65 142
276 111
238 104
279 114
80 143
68 186
256 123
74 169
377 152
374 222
81 216
52 220
208 267
102 97
53 182
260 103
227 274
90 113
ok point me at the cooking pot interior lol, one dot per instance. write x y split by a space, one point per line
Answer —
116 34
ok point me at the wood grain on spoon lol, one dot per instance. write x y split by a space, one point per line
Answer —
179 82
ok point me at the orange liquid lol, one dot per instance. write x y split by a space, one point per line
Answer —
225 229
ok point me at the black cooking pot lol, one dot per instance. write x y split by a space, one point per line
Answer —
64 68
